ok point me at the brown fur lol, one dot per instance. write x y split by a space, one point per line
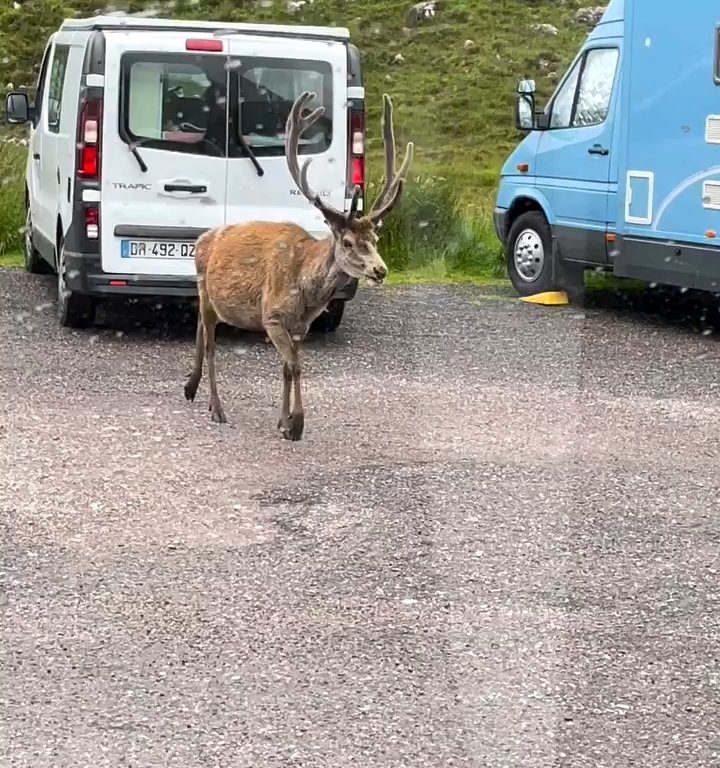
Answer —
278 278
233 264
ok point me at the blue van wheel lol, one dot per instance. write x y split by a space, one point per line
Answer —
528 250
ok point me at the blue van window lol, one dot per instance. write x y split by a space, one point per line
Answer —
596 82
584 97
563 103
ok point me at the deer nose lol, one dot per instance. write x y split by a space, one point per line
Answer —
380 272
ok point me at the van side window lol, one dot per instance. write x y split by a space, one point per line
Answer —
41 82
267 89
563 103
175 102
598 76
55 86
584 98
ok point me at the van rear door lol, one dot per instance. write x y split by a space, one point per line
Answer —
164 160
268 74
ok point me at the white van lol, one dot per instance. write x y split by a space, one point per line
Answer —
147 132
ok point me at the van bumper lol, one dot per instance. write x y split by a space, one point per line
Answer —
85 276
500 223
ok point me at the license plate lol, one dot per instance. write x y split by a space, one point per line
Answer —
156 249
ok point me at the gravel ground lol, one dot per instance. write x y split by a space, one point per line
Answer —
497 544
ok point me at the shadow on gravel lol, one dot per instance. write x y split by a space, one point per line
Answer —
164 318
694 311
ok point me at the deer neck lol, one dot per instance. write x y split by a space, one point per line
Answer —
324 275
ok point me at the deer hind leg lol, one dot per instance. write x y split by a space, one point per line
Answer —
209 323
218 415
292 422
191 385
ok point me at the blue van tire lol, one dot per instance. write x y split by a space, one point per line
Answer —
529 254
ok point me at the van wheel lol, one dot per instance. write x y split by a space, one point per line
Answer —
34 262
331 318
74 309
528 249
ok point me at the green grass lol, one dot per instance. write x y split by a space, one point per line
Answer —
12 201
11 259
455 101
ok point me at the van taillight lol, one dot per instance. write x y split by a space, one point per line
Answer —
357 172
356 142
89 139
92 223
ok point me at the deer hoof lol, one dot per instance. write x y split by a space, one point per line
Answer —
292 427
218 415
190 390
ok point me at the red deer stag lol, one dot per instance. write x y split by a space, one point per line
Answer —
276 277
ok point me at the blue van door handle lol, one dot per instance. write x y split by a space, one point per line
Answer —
596 149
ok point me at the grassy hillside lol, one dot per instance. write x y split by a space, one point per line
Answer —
452 78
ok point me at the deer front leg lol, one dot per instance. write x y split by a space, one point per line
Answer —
292 422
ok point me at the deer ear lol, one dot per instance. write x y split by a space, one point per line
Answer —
352 212
335 220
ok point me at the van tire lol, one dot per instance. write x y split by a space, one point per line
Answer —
33 261
529 254
331 317
74 309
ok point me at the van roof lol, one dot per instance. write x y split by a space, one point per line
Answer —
141 24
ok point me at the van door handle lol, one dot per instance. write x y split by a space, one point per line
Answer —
36 155
193 189
596 149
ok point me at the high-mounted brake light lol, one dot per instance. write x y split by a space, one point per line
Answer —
214 46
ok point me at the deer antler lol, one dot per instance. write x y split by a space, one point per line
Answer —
295 127
394 180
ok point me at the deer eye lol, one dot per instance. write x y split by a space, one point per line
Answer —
348 243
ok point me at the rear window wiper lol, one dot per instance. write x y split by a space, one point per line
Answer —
250 154
132 146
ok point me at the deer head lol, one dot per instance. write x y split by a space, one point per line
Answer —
354 237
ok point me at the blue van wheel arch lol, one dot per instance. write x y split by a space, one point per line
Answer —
519 206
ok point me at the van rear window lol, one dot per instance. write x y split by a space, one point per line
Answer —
267 88
175 102
178 102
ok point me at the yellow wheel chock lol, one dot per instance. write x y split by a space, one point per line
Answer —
548 298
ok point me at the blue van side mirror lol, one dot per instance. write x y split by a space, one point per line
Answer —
17 108
526 86
525 112
525 105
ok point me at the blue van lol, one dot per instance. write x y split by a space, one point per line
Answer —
621 170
